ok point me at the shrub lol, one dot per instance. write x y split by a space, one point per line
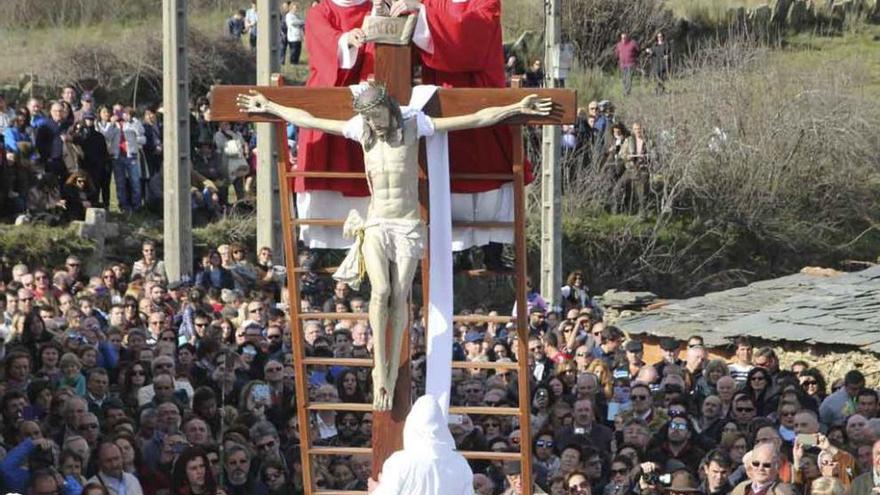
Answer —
241 228
594 26
40 245
761 165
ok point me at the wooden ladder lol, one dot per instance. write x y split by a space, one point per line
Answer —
305 407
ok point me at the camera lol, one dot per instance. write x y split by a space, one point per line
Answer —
657 479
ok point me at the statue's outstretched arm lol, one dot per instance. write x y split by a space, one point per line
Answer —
256 102
530 105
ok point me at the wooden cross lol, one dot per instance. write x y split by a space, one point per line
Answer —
393 67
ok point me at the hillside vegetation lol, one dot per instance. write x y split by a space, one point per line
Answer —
767 151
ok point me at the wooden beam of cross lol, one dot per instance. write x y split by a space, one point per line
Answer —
394 68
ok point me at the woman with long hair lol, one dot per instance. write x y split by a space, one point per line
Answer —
192 474
349 388
76 192
814 385
134 376
575 293
759 386
274 475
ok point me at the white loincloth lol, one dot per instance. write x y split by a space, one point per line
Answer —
398 238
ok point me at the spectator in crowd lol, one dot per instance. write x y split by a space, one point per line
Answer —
627 51
660 55
235 26
111 473
250 26
295 33
96 159
535 75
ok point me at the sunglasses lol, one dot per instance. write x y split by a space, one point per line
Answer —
765 465
809 383
544 443
678 426
745 409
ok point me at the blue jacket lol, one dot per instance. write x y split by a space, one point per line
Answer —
17 477
13 136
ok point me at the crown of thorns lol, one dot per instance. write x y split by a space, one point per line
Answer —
381 98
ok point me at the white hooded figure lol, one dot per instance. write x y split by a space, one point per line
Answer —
428 463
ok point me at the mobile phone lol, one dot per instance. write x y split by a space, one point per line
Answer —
579 431
456 419
807 439
260 392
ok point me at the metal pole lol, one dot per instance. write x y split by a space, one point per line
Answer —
177 224
268 217
551 176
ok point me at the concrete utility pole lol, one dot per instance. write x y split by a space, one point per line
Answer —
177 219
551 176
268 216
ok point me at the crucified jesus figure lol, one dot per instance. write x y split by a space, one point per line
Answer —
393 234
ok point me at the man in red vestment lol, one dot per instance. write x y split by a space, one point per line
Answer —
338 56
460 45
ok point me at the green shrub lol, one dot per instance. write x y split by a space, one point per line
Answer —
232 228
40 245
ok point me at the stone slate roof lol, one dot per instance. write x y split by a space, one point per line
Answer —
839 310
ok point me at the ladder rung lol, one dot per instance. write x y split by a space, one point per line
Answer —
340 406
364 407
467 454
326 269
482 319
333 316
321 222
364 316
314 174
490 456
489 365
350 362
340 450
484 410
333 222
368 363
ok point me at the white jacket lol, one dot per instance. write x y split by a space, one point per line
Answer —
130 482
295 25
428 463
135 137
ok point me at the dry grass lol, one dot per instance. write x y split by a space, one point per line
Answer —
708 10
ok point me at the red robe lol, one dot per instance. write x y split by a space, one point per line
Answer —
468 53
325 24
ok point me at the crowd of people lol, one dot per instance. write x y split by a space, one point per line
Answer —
124 383
53 167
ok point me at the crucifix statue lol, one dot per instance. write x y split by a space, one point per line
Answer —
391 238
337 167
